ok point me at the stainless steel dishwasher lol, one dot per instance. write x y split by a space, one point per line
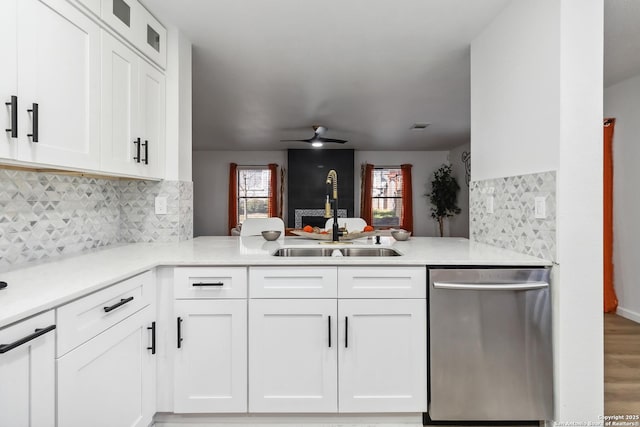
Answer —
490 344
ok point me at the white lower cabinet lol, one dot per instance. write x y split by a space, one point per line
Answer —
382 355
292 356
110 380
211 358
27 373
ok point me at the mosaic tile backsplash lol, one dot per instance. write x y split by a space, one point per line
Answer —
44 215
512 224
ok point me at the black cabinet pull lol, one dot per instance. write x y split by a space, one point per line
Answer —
208 284
34 120
329 331
137 156
38 332
346 332
122 302
153 338
146 152
14 116
179 332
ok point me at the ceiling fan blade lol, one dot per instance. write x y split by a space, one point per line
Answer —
338 141
295 140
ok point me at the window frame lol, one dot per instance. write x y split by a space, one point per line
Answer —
397 199
239 197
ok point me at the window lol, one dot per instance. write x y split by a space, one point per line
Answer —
386 196
253 192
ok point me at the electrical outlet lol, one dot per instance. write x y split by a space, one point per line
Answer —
540 207
490 204
161 205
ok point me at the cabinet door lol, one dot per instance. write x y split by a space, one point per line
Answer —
110 380
211 362
292 355
59 70
120 105
152 119
27 375
8 75
383 355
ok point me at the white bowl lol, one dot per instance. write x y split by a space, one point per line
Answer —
400 234
271 234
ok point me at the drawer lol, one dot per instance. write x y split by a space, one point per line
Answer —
85 318
293 282
33 327
382 282
210 282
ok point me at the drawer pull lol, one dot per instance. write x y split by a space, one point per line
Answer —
208 284
153 338
179 332
118 304
38 332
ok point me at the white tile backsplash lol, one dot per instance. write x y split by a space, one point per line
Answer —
44 215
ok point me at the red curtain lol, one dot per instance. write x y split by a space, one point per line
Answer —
610 298
366 191
406 221
273 190
233 196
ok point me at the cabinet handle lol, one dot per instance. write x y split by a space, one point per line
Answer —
346 332
122 302
153 338
179 332
329 331
146 152
14 116
208 284
34 120
38 332
137 156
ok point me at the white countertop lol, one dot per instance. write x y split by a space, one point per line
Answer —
47 285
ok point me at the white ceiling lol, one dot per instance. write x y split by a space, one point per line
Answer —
366 69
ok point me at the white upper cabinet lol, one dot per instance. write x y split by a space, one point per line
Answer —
133 22
8 79
53 69
133 100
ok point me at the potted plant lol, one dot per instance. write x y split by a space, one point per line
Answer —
443 196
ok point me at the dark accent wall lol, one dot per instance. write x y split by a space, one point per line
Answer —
306 179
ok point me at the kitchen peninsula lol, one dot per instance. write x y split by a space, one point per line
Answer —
170 329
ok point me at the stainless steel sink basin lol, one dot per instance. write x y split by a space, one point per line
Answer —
304 252
369 252
327 252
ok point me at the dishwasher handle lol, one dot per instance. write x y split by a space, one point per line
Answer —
489 286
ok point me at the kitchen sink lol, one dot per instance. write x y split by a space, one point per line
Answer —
336 252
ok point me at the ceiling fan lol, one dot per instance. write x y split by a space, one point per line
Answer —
317 140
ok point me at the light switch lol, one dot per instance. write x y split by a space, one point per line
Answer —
161 205
540 207
490 204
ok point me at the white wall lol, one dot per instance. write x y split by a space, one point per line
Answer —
536 105
622 102
179 93
515 97
211 185
459 224
424 164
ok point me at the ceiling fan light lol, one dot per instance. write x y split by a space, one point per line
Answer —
316 144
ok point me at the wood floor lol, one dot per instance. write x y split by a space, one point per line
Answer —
621 366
